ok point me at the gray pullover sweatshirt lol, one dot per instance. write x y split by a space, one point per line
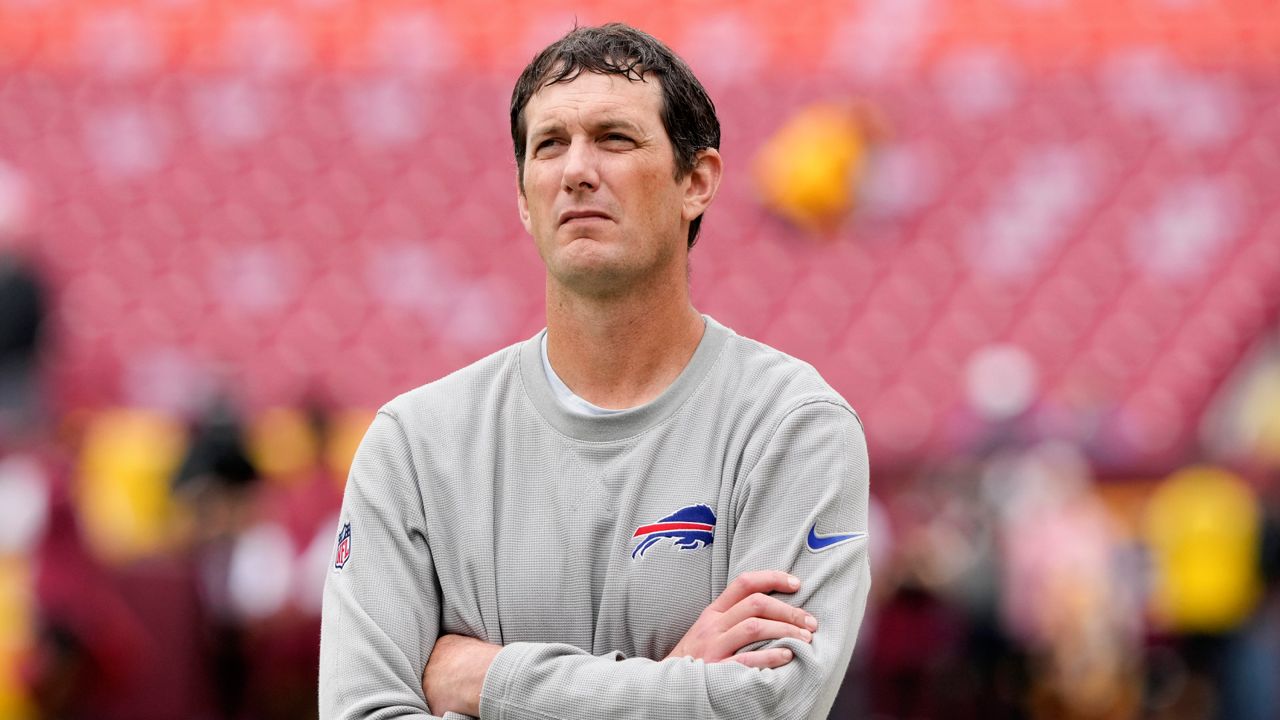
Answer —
479 505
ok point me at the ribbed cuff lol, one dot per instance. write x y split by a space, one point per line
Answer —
497 680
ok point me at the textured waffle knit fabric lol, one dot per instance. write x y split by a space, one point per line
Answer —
479 505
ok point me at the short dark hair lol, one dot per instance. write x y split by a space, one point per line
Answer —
688 115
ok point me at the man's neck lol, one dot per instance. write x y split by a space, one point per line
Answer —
620 352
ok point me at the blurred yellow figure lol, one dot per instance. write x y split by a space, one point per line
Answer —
809 172
345 433
16 622
283 445
1202 525
123 483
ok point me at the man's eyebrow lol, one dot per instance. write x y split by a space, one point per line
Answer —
603 125
615 124
546 128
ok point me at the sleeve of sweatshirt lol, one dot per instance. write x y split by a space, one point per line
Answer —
381 612
803 509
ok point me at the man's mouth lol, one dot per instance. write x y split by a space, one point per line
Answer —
582 216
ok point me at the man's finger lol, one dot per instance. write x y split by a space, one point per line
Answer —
769 658
767 607
756 581
754 630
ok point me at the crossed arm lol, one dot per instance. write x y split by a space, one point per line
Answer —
742 615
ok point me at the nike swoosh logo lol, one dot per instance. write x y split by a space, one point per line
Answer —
818 543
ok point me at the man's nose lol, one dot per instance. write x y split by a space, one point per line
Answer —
580 171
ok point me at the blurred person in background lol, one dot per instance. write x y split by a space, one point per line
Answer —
916 644
811 172
23 307
1252 655
88 643
938 647
1209 540
1261 651
1064 597
280 562
218 483
592 523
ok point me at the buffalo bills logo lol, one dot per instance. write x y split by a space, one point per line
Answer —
344 548
691 527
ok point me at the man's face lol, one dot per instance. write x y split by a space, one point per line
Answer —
600 196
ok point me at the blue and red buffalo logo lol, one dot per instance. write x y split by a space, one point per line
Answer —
344 548
691 527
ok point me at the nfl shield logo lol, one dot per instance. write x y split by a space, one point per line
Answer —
344 547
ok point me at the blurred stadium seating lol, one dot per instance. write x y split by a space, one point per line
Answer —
1068 230
1109 212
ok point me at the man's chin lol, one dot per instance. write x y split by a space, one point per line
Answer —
588 255
581 234
594 279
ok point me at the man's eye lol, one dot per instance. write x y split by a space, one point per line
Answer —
617 137
547 145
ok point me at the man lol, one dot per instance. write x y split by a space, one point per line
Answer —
594 523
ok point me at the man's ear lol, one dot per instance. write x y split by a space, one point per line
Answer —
702 183
522 203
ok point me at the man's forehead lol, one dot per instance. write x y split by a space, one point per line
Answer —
594 96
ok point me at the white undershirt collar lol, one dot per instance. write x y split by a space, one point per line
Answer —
567 398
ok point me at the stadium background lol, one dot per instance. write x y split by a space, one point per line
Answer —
1035 242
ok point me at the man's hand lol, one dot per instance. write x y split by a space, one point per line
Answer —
744 614
455 673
